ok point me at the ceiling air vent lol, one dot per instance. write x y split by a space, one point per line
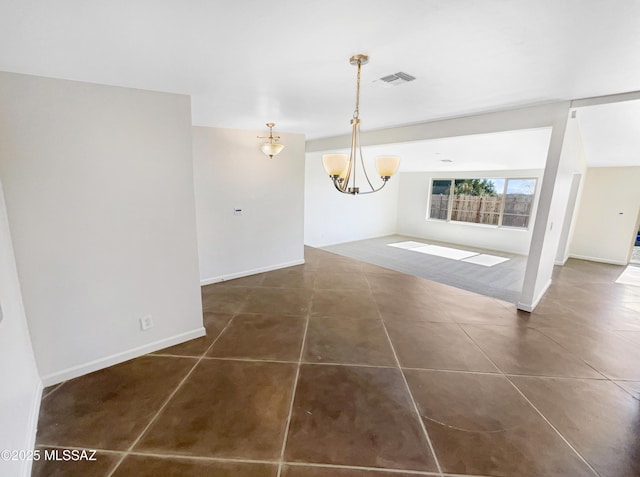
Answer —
395 79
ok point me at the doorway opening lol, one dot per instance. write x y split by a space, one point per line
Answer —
635 254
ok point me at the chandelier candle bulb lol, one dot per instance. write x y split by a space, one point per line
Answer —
341 168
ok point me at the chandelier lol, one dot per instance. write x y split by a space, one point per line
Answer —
342 169
271 148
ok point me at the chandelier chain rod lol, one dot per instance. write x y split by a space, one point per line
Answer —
356 113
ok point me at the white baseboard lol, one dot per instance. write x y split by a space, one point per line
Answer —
32 426
562 262
532 306
599 260
95 365
246 273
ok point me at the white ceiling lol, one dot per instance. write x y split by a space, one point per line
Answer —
509 150
246 62
611 134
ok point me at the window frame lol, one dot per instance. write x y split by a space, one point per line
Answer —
502 204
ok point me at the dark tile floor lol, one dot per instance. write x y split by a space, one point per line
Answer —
339 368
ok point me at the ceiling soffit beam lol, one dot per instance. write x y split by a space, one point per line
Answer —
508 120
609 99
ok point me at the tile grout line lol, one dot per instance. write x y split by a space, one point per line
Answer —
571 353
605 377
557 431
499 373
168 399
553 427
293 392
352 365
248 360
202 458
634 395
406 385
255 360
467 475
380 470
252 461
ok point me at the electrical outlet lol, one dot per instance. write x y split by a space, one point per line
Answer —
146 322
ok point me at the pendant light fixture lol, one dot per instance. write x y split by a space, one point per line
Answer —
342 169
271 148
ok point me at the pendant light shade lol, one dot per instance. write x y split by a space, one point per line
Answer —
334 164
271 148
387 165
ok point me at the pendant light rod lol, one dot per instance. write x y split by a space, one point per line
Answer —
358 60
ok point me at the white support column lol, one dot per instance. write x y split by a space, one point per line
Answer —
547 226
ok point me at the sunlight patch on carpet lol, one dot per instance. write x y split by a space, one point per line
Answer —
451 253
407 245
485 260
445 252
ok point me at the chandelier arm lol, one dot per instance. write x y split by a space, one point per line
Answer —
347 177
374 190
352 152
336 183
364 169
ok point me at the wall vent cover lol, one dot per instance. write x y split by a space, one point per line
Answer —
395 79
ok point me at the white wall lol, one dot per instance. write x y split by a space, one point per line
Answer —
231 172
606 222
412 213
99 191
572 168
331 217
21 389
575 190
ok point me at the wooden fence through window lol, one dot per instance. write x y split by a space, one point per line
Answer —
483 209
479 209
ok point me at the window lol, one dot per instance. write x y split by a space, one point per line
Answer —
440 193
491 201
477 200
518 202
